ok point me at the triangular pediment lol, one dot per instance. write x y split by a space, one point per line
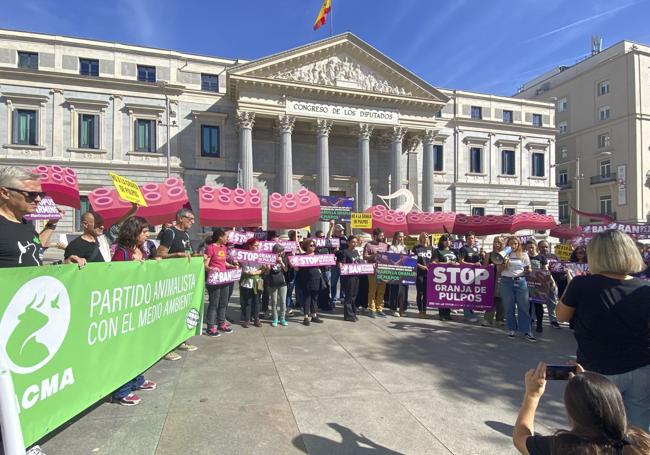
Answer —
344 62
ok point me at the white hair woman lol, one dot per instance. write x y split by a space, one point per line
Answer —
611 314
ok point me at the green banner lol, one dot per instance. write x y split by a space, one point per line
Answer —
72 336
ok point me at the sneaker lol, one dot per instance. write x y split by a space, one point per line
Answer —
274 323
225 328
258 323
530 338
284 323
396 314
130 400
212 332
555 324
317 320
472 319
306 321
539 328
290 313
172 356
187 347
381 314
485 324
511 334
148 385
246 324
372 314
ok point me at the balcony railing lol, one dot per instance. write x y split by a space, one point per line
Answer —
603 178
564 186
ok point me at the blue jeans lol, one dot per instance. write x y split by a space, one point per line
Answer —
336 275
291 285
129 387
635 388
514 294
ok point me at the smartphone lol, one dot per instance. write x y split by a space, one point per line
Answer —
560 372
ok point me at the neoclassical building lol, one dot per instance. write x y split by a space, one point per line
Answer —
335 116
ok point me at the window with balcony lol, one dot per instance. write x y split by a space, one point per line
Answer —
606 205
538 165
562 105
508 162
210 141
478 211
603 113
563 211
145 135
604 141
476 112
507 117
438 158
88 67
537 119
28 60
603 88
147 73
25 124
476 160
209 82
563 178
563 127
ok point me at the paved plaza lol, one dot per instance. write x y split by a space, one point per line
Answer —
379 386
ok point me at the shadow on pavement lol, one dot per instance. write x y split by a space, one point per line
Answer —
501 427
352 443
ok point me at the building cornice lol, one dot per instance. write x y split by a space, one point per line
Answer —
495 126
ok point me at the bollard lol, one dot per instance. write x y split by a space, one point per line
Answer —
12 435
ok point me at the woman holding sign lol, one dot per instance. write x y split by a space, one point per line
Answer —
398 291
445 255
424 251
350 283
251 287
312 282
514 290
215 261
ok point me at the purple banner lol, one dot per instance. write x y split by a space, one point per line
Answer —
45 210
327 243
312 260
562 266
539 285
253 257
239 237
457 286
229 276
357 269
396 268
289 246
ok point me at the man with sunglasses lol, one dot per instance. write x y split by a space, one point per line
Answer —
20 193
86 248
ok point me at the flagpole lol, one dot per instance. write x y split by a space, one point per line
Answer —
331 19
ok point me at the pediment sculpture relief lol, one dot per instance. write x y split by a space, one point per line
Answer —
341 72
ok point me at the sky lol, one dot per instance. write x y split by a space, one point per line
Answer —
488 46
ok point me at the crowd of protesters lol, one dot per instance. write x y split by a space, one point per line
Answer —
609 308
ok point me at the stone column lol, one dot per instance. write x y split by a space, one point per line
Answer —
427 171
323 128
245 121
396 138
285 126
363 172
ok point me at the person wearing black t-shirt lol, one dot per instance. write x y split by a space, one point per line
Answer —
425 253
611 314
445 255
470 254
337 231
175 243
86 247
350 283
537 262
20 193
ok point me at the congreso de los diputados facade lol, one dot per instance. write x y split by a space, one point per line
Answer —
335 116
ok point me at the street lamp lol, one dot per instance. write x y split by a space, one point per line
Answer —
578 177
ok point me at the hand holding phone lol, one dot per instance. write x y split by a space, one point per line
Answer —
560 372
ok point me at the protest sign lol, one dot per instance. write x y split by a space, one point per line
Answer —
411 242
228 276
435 238
261 235
290 246
253 257
127 189
396 268
312 260
322 242
45 210
70 339
539 285
458 286
357 269
336 208
361 220
563 251
577 269
239 237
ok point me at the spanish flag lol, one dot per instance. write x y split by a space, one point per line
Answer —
322 14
